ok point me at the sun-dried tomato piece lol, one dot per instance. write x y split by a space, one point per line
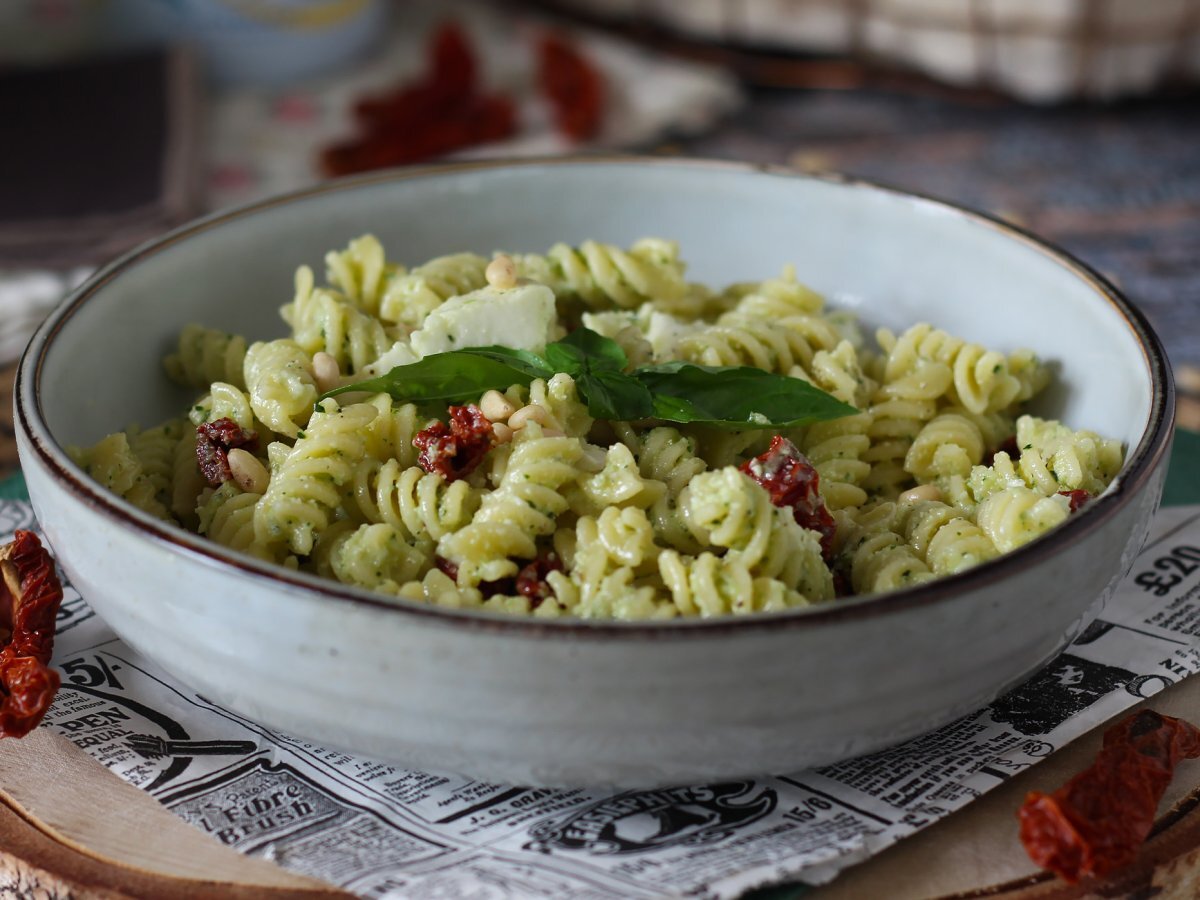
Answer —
1077 498
438 448
440 112
1097 821
30 594
792 481
478 120
452 63
214 440
450 76
454 450
531 580
446 567
505 586
573 85
1009 446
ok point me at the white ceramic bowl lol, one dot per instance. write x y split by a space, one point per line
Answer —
517 700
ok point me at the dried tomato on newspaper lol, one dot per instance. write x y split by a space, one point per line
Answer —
573 85
454 450
30 594
1097 821
792 481
443 110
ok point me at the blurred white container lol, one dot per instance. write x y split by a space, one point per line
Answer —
268 42
1043 51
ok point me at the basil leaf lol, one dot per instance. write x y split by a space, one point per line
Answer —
533 365
614 395
722 396
595 362
452 377
736 397
598 352
565 358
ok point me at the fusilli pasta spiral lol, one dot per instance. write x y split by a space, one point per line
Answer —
602 274
323 321
205 355
306 490
518 512
411 297
281 385
360 272
526 503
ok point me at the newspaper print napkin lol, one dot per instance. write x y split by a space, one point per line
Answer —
380 830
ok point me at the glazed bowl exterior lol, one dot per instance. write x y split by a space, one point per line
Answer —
591 703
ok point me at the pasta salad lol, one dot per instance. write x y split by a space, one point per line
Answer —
585 433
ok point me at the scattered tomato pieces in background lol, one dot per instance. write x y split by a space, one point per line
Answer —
453 451
792 481
1097 821
442 111
573 85
30 594
447 108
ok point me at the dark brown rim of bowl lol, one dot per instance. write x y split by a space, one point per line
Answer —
1141 461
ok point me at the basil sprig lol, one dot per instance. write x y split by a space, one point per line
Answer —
736 396
722 396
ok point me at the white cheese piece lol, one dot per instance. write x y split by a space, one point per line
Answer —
400 355
664 333
521 318
610 323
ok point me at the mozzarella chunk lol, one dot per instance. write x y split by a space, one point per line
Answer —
522 318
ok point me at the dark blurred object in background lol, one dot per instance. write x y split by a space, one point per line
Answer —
101 156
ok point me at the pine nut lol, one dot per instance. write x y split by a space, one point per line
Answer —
326 371
525 414
553 432
501 432
501 272
919 493
593 458
250 474
496 407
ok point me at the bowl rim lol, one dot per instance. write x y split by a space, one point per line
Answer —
1141 461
